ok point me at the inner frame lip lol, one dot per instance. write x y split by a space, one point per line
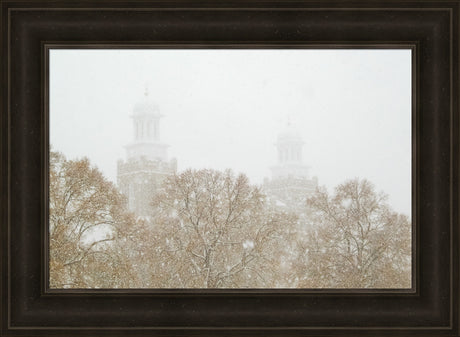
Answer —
46 291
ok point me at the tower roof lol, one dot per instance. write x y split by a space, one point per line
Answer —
290 134
146 106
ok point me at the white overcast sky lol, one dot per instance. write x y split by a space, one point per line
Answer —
224 109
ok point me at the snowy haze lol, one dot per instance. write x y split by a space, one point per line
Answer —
224 109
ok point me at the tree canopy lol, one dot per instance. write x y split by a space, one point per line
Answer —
213 229
216 231
355 240
87 216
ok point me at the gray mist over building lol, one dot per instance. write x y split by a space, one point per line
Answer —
147 164
226 108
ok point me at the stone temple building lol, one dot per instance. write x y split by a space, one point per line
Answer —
290 184
147 163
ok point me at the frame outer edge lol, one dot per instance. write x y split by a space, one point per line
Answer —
4 167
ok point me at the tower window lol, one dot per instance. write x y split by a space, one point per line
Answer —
155 129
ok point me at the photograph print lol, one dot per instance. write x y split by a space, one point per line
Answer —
230 168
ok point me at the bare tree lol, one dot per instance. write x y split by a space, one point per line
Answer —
87 217
213 230
355 240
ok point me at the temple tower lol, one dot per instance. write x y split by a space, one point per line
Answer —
289 147
290 184
146 165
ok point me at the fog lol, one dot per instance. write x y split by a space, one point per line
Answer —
224 109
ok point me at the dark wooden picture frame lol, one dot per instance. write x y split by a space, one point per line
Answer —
429 28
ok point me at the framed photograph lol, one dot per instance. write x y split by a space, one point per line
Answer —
233 168
236 206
